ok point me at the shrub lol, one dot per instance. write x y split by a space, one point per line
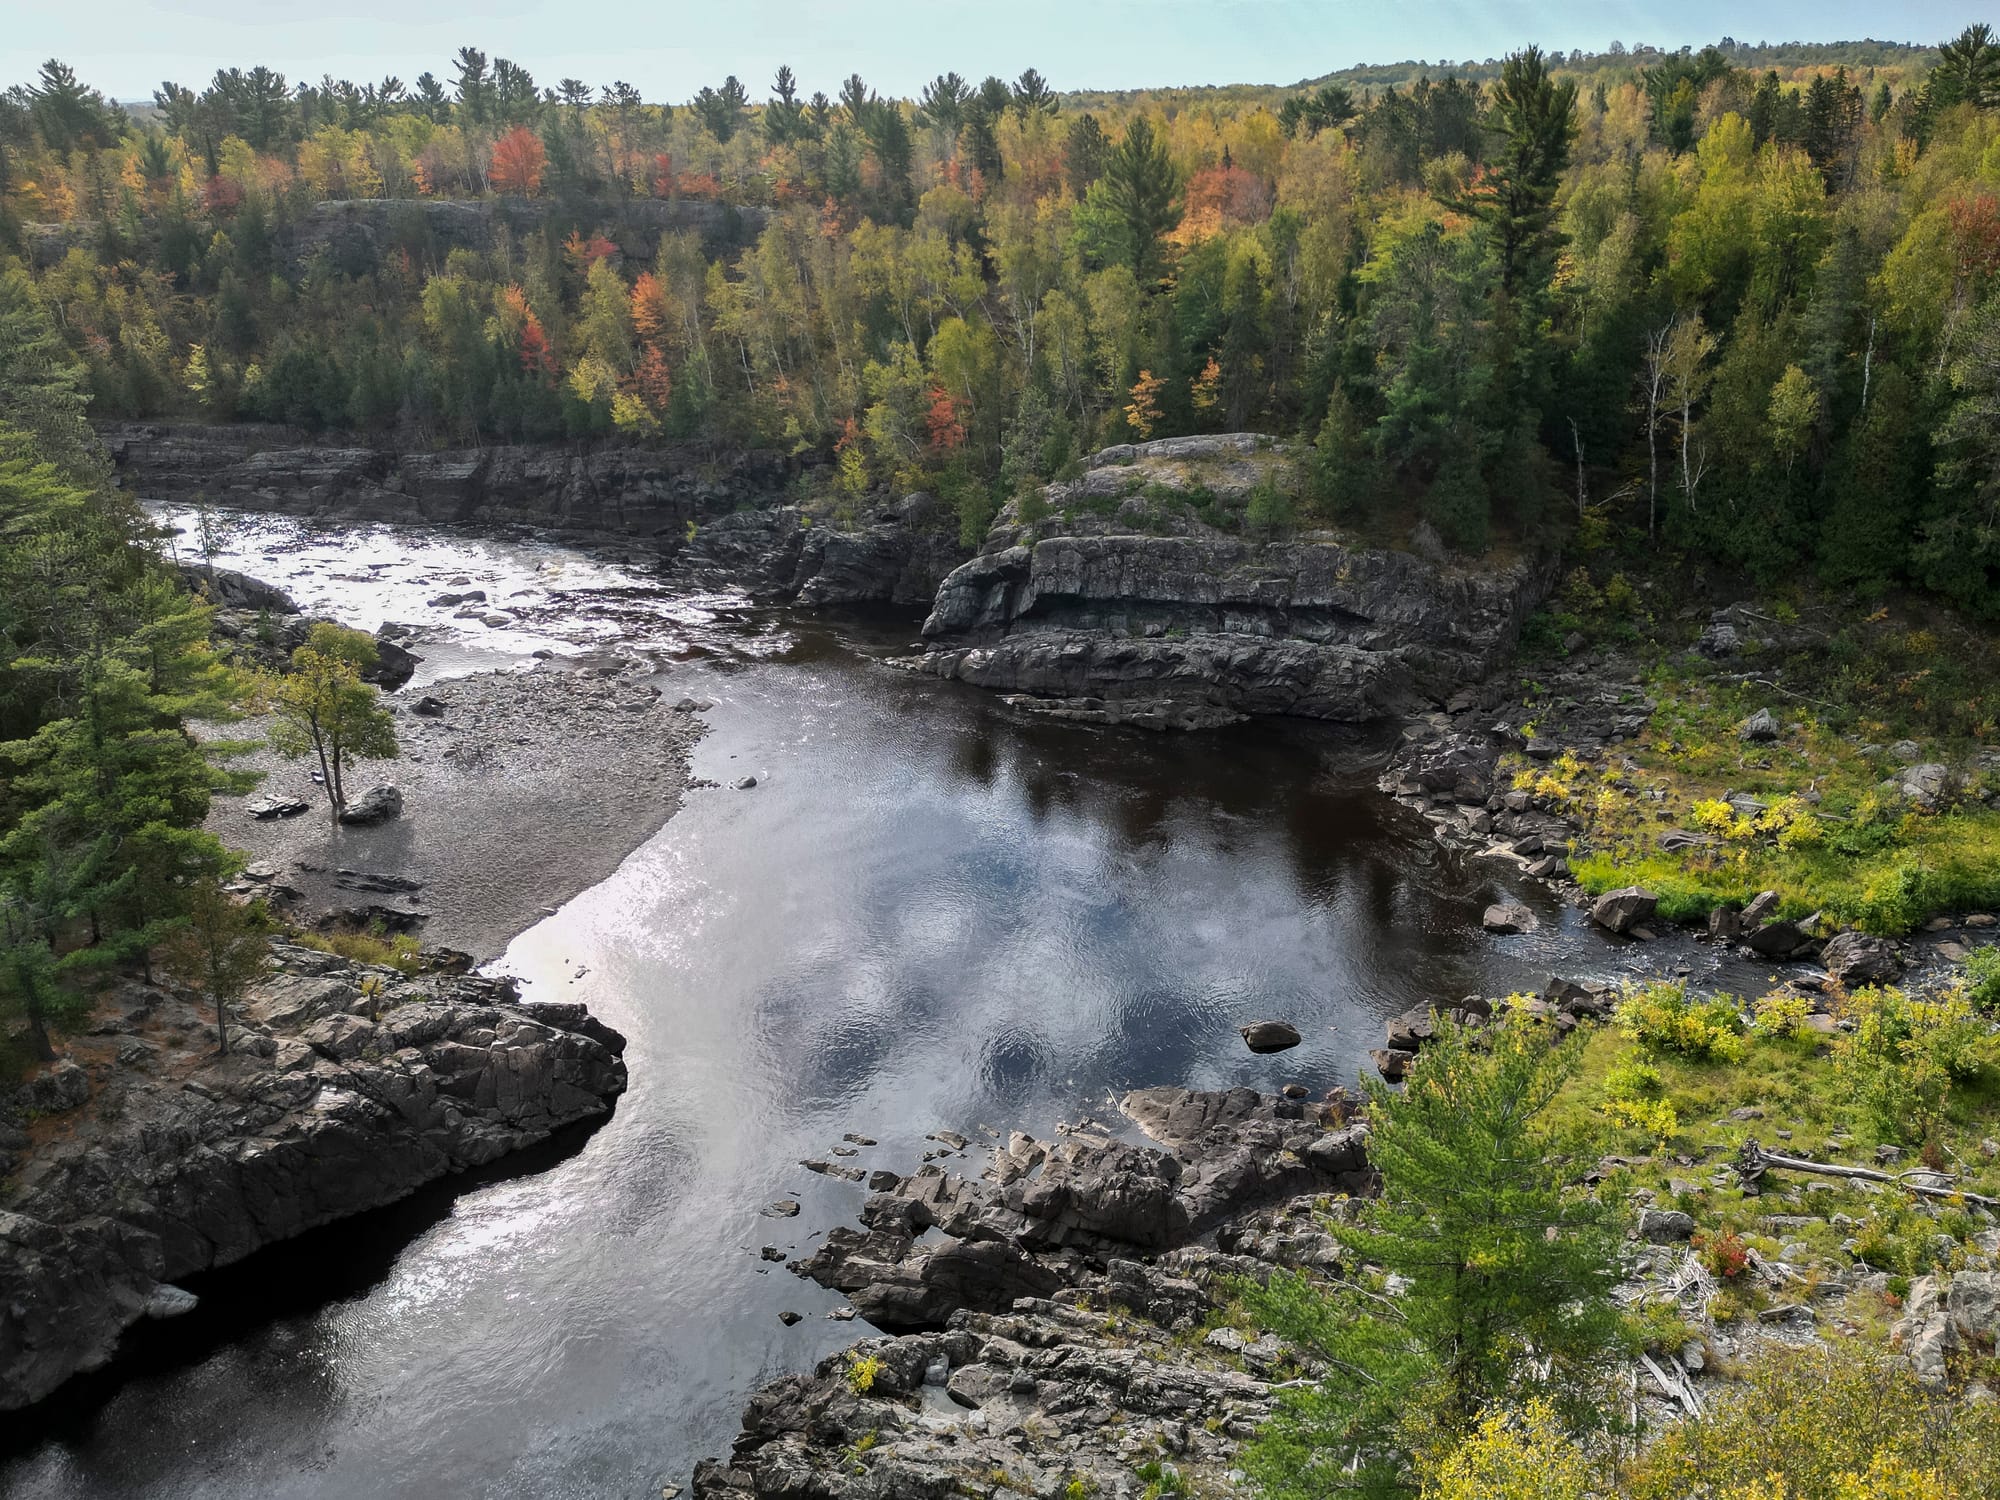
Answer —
1781 1015
1982 978
862 1372
1632 1079
1829 1423
1905 1055
1522 1455
1725 1254
1661 1018
1654 1117
1270 508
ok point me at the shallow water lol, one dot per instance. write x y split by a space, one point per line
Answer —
930 913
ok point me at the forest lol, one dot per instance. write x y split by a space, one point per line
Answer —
1745 307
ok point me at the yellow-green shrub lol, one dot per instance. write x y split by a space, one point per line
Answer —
1661 1018
1826 1423
1781 1015
1521 1455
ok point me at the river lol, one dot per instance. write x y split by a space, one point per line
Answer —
931 913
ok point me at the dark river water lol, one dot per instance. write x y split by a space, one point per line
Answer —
930 913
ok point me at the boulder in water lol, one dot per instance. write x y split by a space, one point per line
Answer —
1270 1036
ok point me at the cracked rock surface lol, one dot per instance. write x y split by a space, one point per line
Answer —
345 1088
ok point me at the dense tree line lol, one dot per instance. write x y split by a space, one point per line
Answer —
1746 310
105 666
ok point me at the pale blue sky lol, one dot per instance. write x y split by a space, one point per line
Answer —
669 48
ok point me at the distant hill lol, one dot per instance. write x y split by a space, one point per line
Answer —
1863 57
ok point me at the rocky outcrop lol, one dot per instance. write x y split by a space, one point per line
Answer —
898 555
1059 1349
1147 595
610 489
1044 1212
709 515
345 1088
229 589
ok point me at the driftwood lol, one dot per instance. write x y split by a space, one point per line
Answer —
1753 1161
1676 1386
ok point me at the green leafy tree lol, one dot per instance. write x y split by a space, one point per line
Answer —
322 708
1502 1273
220 950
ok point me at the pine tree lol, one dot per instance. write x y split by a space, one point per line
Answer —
1502 1273
1142 183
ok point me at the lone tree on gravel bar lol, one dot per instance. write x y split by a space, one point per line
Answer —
324 709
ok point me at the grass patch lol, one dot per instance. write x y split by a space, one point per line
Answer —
1805 815
390 950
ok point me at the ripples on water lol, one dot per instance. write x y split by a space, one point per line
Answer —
931 913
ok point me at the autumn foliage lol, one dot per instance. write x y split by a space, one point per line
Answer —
518 161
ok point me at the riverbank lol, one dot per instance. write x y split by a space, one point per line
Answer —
145 1157
520 789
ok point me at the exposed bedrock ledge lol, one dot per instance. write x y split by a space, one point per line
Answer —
711 516
345 1089
1093 613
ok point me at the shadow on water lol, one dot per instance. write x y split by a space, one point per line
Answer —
293 1281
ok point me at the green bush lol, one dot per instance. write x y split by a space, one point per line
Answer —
1982 978
1838 1422
1661 1018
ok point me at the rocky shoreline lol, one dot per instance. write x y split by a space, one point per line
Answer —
1147 591
1448 767
144 1157
1050 1319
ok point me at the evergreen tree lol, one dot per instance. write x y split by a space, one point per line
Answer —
1142 186
1501 1274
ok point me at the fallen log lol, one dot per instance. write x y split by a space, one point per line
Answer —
1753 1161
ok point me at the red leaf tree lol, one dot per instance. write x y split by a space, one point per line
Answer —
518 160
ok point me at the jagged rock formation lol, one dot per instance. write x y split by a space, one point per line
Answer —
1055 1310
345 1088
1144 596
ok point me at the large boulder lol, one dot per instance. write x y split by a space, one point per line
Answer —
1623 909
1270 1036
1857 959
1508 917
1759 727
376 805
234 590
394 664
1944 1314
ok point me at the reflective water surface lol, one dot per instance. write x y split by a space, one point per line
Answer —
930 912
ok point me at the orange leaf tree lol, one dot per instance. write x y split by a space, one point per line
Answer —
518 160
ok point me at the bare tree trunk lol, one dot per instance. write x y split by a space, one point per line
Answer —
1576 441
1867 364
